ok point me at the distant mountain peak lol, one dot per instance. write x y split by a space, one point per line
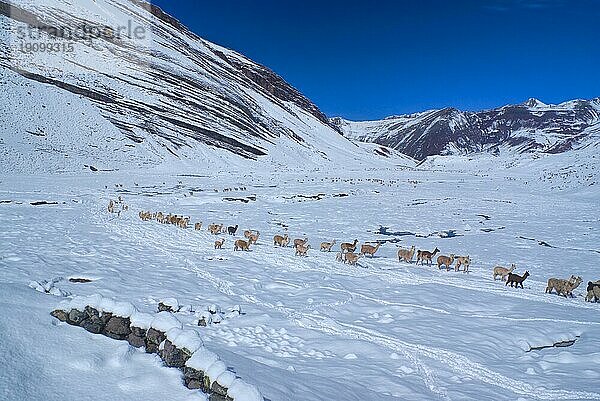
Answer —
532 126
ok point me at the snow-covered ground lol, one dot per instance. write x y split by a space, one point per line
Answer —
311 328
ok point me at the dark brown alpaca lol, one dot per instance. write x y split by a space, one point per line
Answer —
426 256
516 279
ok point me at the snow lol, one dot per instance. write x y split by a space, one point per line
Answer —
165 321
379 330
141 320
241 391
202 359
188 339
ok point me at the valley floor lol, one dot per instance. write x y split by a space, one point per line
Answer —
312 328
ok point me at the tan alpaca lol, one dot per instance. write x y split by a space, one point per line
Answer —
198 226
462 261
241 244
370 250
426 256
253 238
279 240
219 243
503 272
326 246
215 229
406 255
443 260
300 241
348 246
302 250
352 258
248 233
562 286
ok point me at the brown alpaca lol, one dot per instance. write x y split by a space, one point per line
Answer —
279 240
326 246
219 243
514 278
462 261
443 260
406 255
348 246
241 244
300 241
248 233
426 256
367 249
198 226
351 258
301 250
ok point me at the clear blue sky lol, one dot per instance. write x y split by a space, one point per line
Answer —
371 59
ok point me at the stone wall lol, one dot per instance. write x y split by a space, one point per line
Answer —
162 334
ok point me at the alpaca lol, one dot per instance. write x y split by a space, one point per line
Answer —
301 250
198 226
300 241
241 244
426 256
231 230
351 258
348 246
514 278
445 261
253 238
219 243
562 286
462 261
406 255
503 272
111 206
279 240
326 246
366 249
593 291
340 257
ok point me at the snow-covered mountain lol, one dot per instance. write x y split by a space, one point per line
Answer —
528 127
111 96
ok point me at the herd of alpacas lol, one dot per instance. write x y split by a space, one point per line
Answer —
348 254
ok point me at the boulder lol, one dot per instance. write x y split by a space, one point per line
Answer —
137 337
117 328
153 340
172 356
218 389
60 315
165 308
193 379
93 324
75 317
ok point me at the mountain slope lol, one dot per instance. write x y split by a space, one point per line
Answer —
163 95
527 127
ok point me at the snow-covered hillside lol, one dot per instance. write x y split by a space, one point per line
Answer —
162 96
523 128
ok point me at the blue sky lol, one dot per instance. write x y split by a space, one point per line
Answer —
371 59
